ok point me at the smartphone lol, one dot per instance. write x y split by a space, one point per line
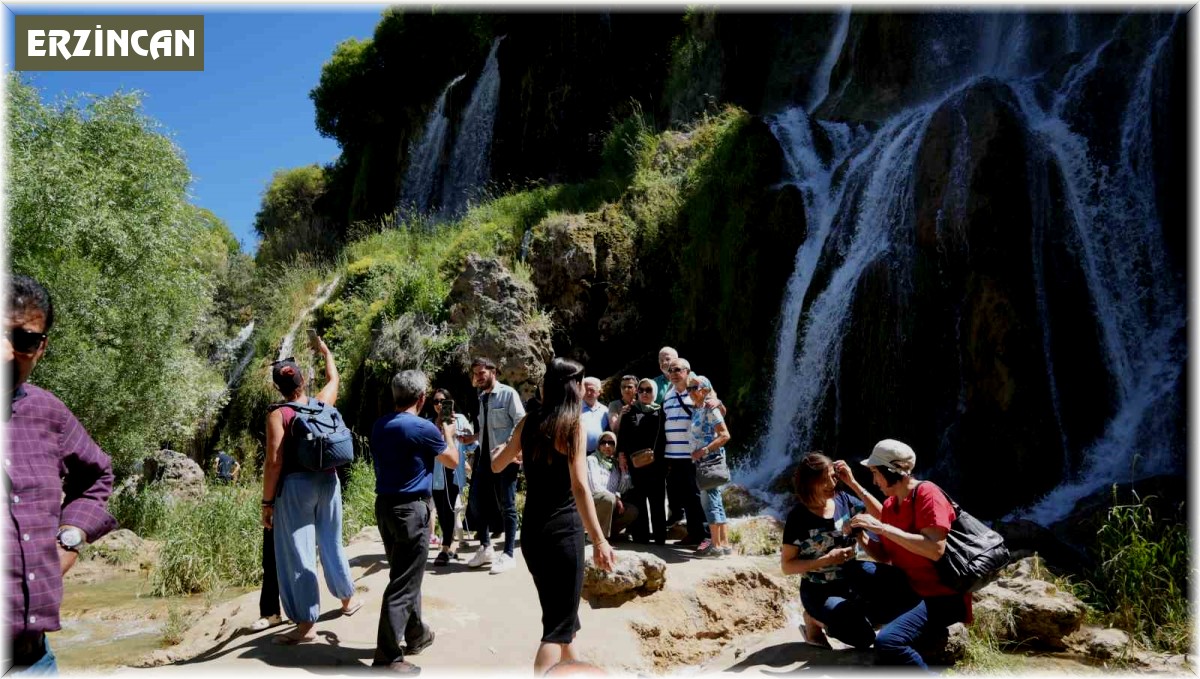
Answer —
448 411
314 340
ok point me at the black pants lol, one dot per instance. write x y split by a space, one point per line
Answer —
494 503
268 598
681 484
404 527
444 501
649 487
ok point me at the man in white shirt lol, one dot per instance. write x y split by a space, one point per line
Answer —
595 416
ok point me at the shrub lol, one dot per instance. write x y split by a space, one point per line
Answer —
210 544
144 511
1142 579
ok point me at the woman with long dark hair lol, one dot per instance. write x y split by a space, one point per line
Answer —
553 444
448 483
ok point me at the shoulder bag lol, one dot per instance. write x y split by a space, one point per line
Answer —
974 553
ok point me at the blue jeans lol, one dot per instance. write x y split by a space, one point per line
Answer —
308 516
894 645
713 505
46 666
866 595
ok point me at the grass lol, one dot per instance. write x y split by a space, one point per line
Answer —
211 544
1142 582
144 511
178 622
358 499
756 537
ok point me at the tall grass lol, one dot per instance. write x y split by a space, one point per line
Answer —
358 499
1142 580
211 544
145 511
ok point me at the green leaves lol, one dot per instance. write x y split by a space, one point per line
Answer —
99 214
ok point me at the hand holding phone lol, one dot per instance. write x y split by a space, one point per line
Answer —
448 411
314 340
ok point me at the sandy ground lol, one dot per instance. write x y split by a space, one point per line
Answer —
729 614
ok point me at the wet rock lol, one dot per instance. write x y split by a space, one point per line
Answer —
739 502
500 315
1020 608
634 574
175 473
1100 643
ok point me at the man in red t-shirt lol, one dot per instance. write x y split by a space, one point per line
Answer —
912 525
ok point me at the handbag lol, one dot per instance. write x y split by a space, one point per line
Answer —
642 458
711 470
974 553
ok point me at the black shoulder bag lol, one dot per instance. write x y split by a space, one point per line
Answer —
974 553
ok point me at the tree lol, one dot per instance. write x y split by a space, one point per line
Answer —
289 222
98 212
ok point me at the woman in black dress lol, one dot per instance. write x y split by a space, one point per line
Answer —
552 444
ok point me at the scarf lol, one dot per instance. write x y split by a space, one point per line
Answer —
644 408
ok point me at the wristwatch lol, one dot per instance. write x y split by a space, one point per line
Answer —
70 538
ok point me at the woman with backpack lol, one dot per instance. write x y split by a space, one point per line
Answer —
912 525
303 507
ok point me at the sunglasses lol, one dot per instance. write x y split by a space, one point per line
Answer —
645 390
693 387
677 370
24 341
438 401
607 442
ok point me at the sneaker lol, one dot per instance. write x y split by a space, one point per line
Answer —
704 546
727 550
443 559
710 550
502 563
482 558
265 623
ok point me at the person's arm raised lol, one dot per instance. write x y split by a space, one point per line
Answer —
846 476
329 392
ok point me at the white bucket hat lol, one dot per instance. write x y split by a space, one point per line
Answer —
892 454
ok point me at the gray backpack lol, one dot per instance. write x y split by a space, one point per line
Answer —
323 441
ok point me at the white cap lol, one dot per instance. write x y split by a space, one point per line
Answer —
893 455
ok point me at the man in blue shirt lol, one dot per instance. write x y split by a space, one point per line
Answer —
595 416
404 446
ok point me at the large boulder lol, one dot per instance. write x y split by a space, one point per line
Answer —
634 574
175 473
739 501
1021 608
944 647
500 315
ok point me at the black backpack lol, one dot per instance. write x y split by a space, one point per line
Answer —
974 553
323 441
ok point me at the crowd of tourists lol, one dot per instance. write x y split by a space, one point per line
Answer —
628 470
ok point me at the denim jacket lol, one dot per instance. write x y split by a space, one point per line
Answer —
505 410
464 450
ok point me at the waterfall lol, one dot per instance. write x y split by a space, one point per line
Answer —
323 293
1134 296
803 366
820 85
469 164
858 201
237 343
424 154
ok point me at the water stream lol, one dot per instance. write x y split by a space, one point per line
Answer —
470 161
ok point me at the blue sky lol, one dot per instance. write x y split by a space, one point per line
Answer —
248 113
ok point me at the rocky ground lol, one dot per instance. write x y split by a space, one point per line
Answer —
680 615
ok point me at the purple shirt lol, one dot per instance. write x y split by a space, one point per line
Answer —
59 476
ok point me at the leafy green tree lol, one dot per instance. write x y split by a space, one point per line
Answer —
98 212
289 221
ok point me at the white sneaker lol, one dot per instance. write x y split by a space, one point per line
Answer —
502 563
264 623
483 556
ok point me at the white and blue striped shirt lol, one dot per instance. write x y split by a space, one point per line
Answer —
678 424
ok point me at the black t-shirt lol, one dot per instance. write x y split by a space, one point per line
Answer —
816 536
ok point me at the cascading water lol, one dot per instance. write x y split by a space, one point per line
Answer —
470 161
857 213
820 86
424 155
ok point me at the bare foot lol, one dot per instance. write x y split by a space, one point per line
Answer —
301 635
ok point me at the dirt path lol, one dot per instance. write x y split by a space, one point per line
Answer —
492 623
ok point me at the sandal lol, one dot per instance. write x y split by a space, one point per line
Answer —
291 639
353 608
